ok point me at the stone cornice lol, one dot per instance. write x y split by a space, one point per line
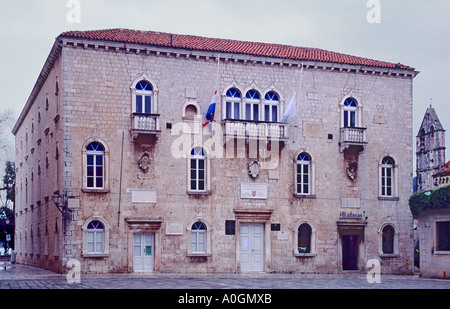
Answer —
238 58
48 66
62 42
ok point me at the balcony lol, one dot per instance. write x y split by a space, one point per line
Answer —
145 125
353 138
257 130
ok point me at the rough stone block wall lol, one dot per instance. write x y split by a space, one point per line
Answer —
97 105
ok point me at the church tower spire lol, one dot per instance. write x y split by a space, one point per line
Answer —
430 149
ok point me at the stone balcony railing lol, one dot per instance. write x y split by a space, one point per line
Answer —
145 124
352 137
259 130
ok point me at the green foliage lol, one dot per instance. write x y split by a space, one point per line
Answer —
7 218
9 181
430 200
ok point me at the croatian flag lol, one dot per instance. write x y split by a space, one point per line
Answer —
291 110
211 110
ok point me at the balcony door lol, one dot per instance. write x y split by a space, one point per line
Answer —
350 113
144 92
252 104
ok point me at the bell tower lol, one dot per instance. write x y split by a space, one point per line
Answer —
430 150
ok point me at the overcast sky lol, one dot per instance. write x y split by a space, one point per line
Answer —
413 32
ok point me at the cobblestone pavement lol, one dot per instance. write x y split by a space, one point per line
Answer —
14 276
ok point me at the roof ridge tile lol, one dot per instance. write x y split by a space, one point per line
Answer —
188 41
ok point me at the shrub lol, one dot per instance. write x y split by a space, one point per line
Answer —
430 200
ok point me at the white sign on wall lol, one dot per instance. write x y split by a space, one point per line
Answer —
283 235
174 228
254 190
143 196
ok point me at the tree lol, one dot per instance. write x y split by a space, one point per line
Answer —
7 217
7 191
9 183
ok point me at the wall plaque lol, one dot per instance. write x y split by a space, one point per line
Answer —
254 190
282 235
143 196
275 227
174 228
230 227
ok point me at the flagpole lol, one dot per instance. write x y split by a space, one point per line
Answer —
217 87
217 73
299 90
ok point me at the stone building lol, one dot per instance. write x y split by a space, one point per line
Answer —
430 150
112 132
442 178
433 224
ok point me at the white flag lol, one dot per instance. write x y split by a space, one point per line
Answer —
291 110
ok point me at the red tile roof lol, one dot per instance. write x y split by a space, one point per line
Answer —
227 46
445 171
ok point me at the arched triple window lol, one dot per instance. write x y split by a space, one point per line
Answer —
233 104
95 167
252 105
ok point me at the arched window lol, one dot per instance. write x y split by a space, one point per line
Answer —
422 140
233 104
144 94
388 239
198 237
271 107
387 177
252 103
432 140
198 170
303 174
191 111
350 113
95 166
304 238
95 237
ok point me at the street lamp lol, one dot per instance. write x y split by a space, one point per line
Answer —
59 202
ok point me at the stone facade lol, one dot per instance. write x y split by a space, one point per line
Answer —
433 227
434 253
442 178
147 188
430 150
